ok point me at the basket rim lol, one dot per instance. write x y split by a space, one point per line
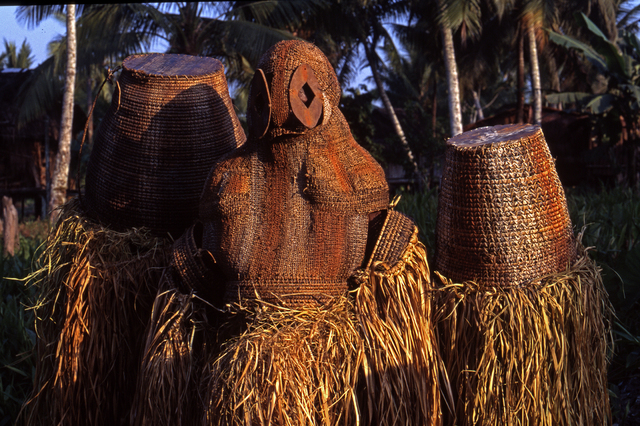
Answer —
218 65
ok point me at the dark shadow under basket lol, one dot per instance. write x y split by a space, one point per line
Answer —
170 119
502 212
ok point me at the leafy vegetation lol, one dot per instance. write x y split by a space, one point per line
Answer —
17 335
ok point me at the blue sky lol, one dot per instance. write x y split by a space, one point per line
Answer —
38 37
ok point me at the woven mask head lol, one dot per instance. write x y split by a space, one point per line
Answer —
294 89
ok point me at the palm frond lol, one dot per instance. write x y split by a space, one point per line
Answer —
39 92
276 14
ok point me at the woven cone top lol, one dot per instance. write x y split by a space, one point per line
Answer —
170 120
502 213
286 215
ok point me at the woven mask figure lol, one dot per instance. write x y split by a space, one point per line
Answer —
286 215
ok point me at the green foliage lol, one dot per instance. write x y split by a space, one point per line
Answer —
610 220
357 108
13 58
17 335
422 207
617 63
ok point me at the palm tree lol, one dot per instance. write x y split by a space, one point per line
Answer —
455 113
61 170
60 180
12 58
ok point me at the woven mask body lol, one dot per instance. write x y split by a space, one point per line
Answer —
286 215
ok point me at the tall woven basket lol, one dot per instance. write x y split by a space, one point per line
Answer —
502 213
171 118
523 318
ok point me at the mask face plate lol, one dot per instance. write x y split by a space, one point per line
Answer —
261 106
305 96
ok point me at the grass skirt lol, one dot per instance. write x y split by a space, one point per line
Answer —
96 287
366 357
533 354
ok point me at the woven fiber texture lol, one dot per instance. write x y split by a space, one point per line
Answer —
171 118
502 212
286 216
535 354
279 63
396 232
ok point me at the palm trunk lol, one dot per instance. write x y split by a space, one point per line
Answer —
478 105
389 108
455 114
61 171
535 74
555 79
89 106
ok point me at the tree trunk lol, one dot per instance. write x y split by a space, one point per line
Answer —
61 172
389 108
10 229
520 108
535 74
89 136
455 114
555 78
478 105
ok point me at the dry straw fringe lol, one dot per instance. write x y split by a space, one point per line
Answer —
167 388
96 287
534 354
404 374
290 367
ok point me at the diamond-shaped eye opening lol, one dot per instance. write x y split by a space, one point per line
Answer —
306 94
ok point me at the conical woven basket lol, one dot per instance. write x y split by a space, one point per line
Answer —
171 118
502 212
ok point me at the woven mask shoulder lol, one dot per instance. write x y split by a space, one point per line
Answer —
341 174
281 61
231 175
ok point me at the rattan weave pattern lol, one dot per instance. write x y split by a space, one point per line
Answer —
286 216
193 264
170 119
279 63
502 213
393 239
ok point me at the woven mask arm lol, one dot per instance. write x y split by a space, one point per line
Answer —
196 267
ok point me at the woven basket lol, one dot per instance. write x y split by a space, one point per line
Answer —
171 118
502 212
